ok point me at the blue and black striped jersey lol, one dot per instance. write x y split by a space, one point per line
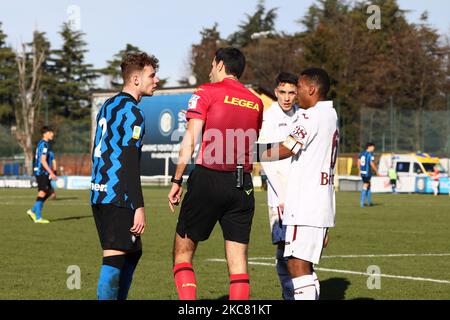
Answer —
116 153
42 149
366 158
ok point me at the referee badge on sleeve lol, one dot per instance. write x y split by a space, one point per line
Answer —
136 132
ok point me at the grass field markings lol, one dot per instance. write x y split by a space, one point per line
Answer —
353 256
349 272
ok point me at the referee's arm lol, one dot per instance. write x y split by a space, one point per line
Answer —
190 139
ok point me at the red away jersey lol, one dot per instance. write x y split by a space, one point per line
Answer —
233 118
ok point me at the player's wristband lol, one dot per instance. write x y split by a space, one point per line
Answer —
292 144
177 181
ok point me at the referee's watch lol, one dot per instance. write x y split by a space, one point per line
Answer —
177 181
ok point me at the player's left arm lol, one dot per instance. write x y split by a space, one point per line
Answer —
45 164
374 167
131 143
277 151
298 140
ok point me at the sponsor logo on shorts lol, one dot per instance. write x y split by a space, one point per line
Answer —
248 191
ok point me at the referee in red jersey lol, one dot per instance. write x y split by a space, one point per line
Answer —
226 118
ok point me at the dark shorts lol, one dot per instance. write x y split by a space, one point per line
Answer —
43 182
212 197
366 179
393 182
113 227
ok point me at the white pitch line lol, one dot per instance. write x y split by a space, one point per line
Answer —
395 255
349 272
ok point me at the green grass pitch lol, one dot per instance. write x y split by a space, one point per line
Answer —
406 236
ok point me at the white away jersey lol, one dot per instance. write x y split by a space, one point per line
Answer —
276 126
310 197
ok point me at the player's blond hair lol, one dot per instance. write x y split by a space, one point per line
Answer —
137 61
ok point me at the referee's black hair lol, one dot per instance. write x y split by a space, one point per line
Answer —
320 78
233 60
46 129
286 77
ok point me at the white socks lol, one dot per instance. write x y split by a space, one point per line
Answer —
317 285
304 288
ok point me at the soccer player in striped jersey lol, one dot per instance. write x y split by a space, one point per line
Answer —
43 172
366 165
116 194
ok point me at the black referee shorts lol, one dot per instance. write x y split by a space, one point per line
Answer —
212 196
113 227
43 182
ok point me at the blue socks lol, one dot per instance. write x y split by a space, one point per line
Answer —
108 283
363 196
116 275
37 208
369 197
366 193
126 276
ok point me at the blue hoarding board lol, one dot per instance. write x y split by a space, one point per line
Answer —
425 185
165 125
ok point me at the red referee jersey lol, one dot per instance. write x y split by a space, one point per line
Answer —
233 118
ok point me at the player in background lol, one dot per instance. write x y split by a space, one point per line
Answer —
435 177
277 123
43 173
366 165
116 193
393 178
310 196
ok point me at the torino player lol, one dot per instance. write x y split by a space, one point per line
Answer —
277 123
310 200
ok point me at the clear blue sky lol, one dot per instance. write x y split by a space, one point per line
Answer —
164 28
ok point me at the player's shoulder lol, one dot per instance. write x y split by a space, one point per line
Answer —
206 88
254 96
271 111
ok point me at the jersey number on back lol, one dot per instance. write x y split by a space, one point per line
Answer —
334 149
363 161
98 150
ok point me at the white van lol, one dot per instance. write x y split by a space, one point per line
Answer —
412 164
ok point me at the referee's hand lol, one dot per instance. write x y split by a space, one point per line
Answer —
175 196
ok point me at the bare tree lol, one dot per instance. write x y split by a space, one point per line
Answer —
30 98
